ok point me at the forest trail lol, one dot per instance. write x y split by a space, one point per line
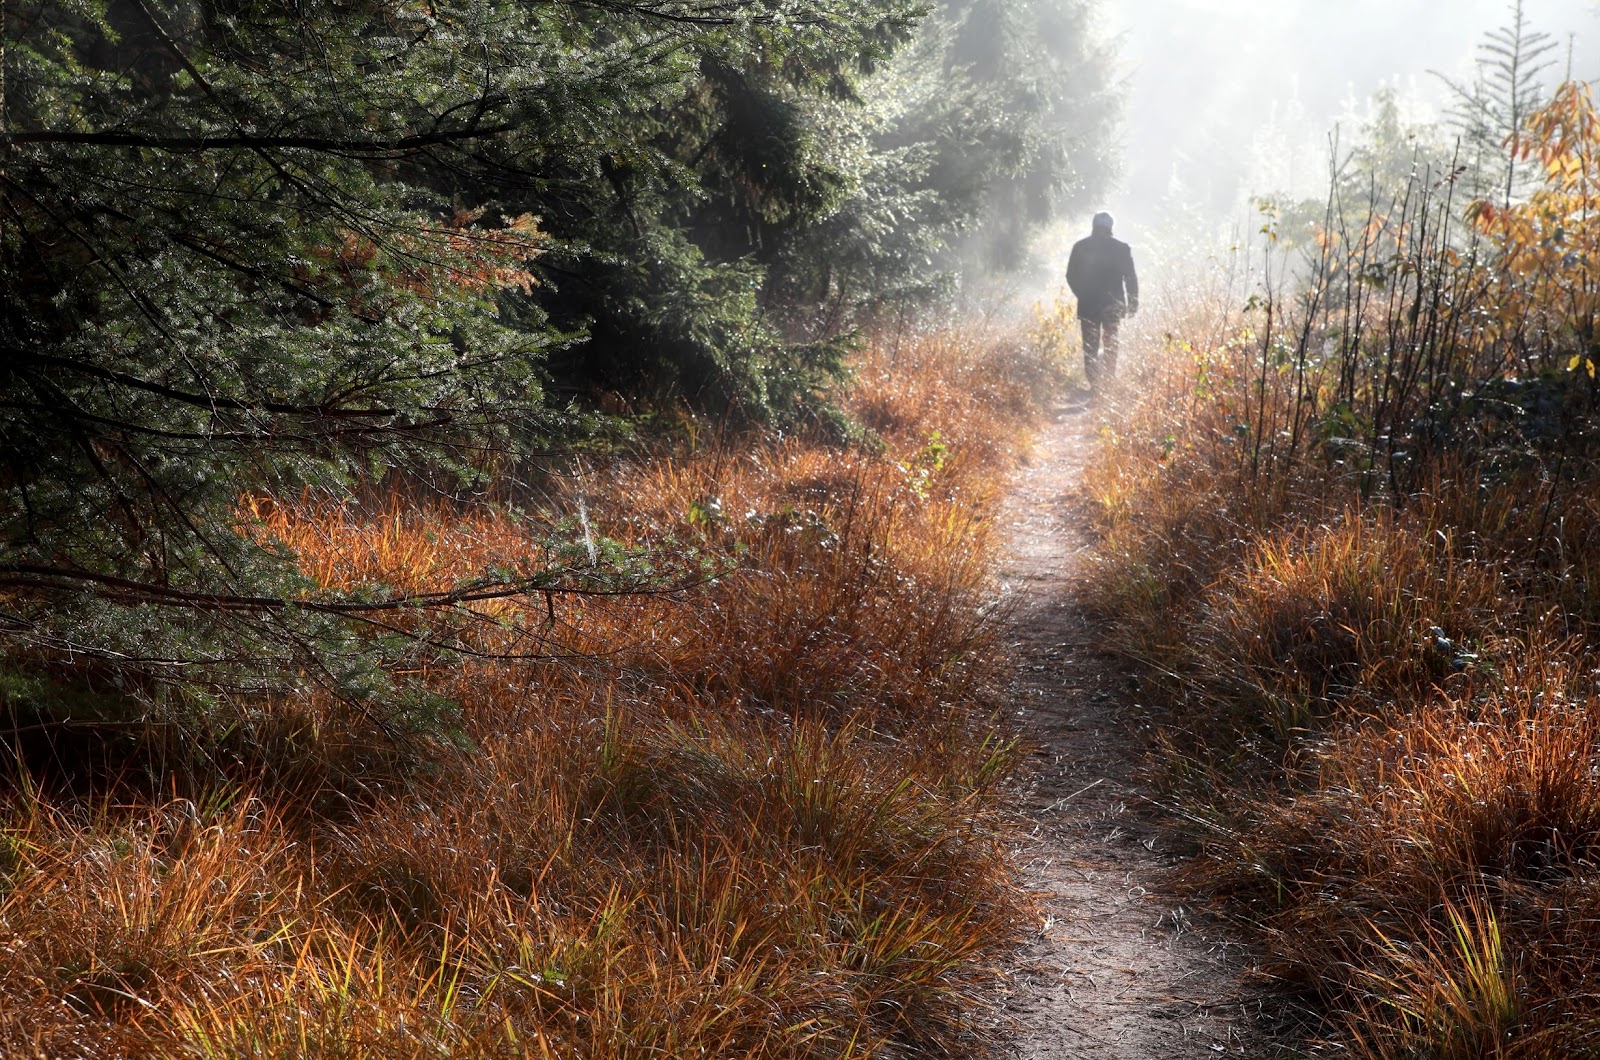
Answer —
1118 971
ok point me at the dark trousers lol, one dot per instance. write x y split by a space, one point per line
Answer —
1100 344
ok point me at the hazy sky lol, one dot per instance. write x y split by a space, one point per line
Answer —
1223 94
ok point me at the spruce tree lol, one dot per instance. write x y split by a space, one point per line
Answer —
255 248
1489 112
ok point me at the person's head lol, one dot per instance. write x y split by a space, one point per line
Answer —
1103 222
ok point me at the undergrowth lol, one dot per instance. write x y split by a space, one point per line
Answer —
759 812
1354 536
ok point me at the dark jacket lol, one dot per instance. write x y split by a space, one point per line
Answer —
1100 272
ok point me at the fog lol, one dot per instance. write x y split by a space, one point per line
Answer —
1229 99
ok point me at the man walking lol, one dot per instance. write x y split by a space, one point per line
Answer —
1100 273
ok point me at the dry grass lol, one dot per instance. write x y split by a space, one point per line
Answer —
761 816
1382 711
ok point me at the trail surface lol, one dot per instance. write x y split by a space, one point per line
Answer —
1119 970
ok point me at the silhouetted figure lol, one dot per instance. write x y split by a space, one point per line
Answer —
1100 273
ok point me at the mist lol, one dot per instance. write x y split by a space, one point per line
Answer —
1231 99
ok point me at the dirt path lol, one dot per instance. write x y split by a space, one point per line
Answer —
1118 970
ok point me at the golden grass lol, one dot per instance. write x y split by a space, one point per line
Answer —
763 816
1380 707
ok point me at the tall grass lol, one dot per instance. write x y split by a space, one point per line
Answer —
761 814
1355 540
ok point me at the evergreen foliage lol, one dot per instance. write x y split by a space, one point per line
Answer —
997 120
1041 111
1490 111
255 250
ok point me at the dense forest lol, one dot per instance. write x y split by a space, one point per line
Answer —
269 249
450 601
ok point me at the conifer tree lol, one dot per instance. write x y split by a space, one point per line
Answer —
258 249
1490 111
251 247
